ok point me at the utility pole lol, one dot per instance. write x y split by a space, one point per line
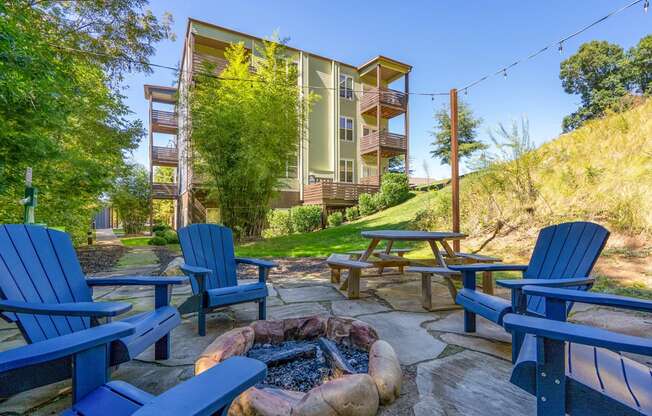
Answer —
455 169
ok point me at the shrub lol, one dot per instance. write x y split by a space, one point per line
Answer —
160 233
367 204
305 218
157 241
352 213
160 227
278 223
335 219
171 236
395 188
437 215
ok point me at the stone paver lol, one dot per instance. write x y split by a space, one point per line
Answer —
454 323
468 384
309 294
407 296
357 307
404 332
296 310
105 236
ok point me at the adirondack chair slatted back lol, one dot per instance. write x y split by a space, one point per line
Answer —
210 246
565 250
39 265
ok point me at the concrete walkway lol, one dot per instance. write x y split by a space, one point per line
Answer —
105 236
446 372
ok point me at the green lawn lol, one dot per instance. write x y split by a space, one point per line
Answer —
340 239
142 242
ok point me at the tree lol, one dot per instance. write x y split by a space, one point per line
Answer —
467 133
61 111
598 74
130 198
640 58
245 131
163 209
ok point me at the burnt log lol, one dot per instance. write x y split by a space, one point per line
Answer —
334 357
275 358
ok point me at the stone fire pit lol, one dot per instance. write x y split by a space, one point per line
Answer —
347 395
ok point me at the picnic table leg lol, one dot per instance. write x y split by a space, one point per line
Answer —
335 275
363 257
487 283
370 250
426 291
449 250
353 289
401 269
440 259
388 250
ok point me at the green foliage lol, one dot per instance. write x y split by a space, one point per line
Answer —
171 236
278 223
157 241
605 76
163 209
130 198
394 188
305 218
335 219
245 132
160 227
352 213
466 136
61 112
368 204
437 214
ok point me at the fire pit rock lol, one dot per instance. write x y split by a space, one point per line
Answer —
347 395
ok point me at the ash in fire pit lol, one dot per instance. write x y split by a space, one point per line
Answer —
303 365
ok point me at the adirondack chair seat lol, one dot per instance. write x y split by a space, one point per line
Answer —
148 326
577 369
493 308
225 296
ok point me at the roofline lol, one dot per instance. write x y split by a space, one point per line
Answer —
382 57
149 88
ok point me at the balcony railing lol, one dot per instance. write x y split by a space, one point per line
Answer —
164 190
395 101
369 180
164 121
385 140
219 64
335 193
164 156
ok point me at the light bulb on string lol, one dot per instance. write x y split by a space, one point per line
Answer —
561 47
505 73
646 5
466 91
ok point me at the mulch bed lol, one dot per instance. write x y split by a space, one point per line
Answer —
95 259
164 256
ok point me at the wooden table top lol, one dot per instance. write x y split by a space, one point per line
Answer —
408 235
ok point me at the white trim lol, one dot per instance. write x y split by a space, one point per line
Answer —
347 77
339 127
352 170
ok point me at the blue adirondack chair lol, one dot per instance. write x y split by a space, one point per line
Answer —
563 256
211 264
44 291
577 369
86 354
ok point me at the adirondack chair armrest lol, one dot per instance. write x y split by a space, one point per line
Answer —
580 334
92 309
602 299
208 392
488 267
520 283
194 270
137 281
63 346
256 262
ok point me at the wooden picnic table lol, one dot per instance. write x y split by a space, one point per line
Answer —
435 239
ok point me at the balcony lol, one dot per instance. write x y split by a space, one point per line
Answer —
332 194
164 156
392 102
369 180
164 121
219 64
390 144
164 190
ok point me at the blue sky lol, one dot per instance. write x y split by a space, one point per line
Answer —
448 43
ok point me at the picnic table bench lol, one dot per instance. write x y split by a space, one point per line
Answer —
337 262
388 257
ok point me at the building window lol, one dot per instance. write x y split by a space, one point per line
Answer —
291 170
346 129
346 86
346 170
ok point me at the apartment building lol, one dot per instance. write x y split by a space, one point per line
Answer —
359 123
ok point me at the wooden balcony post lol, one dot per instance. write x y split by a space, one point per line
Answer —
455 172
407 124
378 112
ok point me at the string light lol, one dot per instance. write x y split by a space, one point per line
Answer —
646 5
504 74
561 47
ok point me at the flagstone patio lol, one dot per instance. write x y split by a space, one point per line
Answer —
446 372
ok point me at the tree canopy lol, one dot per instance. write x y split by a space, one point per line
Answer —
61 111
245 132
604 76
467 134
130 197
